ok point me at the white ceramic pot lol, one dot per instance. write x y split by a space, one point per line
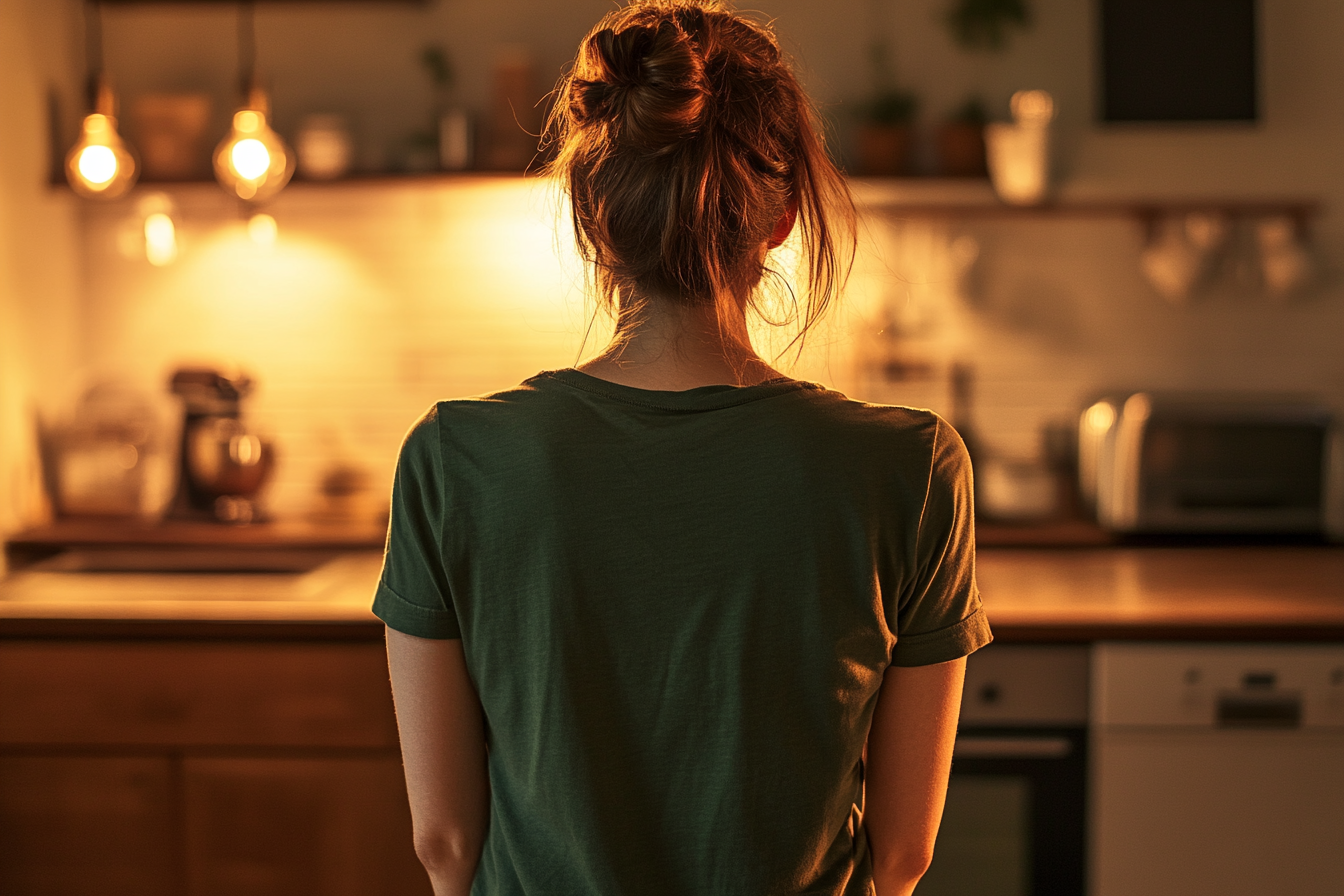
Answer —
1018 156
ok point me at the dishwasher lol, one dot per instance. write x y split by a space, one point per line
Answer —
1217 770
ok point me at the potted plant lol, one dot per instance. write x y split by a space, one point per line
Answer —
961 141
985 24
885 132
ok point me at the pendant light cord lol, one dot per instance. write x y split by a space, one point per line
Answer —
93 51
247 47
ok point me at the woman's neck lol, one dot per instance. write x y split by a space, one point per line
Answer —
669 346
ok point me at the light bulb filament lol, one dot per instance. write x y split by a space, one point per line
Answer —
250 158
97 164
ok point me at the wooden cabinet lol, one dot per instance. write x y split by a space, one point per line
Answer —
201 768
88 824
286 826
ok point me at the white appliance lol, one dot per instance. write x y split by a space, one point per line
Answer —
1218 770
1190 462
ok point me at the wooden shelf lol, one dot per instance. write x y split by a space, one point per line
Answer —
975 198
903 197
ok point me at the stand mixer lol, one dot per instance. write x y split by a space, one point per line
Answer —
222 465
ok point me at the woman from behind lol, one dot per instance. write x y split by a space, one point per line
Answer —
670 621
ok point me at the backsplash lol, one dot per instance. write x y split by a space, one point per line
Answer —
378 298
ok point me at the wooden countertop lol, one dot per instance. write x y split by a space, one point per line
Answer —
1268 593
43 541
1271 593
330 602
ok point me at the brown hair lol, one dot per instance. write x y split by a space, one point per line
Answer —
683 137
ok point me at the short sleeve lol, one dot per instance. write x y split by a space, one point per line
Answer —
413 595
939 616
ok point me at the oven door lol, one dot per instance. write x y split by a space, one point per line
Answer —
1014 821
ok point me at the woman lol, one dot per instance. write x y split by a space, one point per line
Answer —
645 615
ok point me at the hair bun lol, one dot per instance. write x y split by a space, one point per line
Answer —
646 82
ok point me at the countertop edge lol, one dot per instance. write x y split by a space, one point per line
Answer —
85 629
352 630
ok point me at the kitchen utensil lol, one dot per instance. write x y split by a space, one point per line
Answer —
1285 264
1182 253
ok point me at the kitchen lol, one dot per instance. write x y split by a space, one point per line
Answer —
380 294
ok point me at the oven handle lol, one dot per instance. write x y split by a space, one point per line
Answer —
999 747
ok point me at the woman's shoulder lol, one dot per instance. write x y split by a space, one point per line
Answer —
880 420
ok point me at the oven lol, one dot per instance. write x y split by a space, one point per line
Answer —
1015 821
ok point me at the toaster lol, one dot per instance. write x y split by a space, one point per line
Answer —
1155 462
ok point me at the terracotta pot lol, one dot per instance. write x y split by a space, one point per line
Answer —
961 150
883 150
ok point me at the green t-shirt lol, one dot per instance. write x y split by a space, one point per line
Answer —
677 609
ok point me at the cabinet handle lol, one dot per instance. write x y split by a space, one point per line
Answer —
1259 711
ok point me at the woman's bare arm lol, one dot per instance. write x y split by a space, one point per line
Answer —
443 748
909 758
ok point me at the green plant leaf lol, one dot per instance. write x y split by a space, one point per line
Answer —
984 24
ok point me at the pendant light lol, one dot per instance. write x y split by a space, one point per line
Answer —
252 161
100 165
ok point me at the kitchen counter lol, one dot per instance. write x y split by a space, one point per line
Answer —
34 544
1266 593
1262 593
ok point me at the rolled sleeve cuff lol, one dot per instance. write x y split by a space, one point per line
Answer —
412 619
945 644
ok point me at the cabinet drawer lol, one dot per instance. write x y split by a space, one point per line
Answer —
188 694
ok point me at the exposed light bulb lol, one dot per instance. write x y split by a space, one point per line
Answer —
97 164
252 161
100 165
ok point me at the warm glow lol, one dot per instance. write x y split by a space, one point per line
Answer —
250 158
97 164
1100 416
160 239
252 162
263 230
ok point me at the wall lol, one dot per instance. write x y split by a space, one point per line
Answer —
379 298
39 250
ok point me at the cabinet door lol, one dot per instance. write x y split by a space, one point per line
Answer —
317 827
1218 813
83 825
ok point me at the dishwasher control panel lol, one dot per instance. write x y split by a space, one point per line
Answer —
1218 686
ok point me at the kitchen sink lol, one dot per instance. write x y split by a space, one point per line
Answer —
215 561
195 575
